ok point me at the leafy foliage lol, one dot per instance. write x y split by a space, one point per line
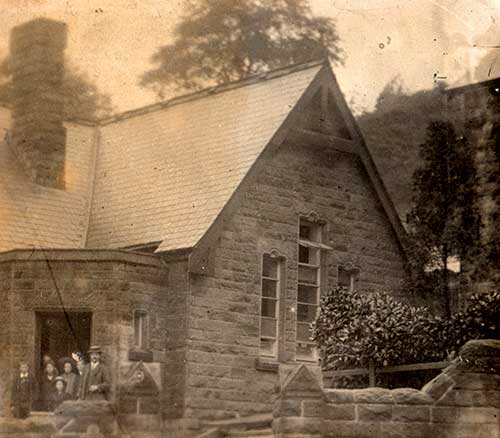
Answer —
356 329
492 148
479 321
223 40
81 98
444 220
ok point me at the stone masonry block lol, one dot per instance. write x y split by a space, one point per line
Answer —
444 414
312 408
407 430
373 395
350 429
493 398
340 396
477 381
411 396
465 431
411 413
374 412
339 412
438 386
449 398
478 415
470 398
290 408
297 425
480 348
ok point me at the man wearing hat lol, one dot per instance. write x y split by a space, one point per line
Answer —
97 380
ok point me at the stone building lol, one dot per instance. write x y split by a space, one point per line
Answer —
192 240
474 111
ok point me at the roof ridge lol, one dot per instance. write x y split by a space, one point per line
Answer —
188 97
210 91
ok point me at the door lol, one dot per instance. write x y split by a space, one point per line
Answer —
62 333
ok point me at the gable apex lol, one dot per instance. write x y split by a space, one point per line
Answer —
326 85
291 130
321 114
302 379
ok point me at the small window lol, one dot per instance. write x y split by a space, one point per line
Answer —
269 306
348 277
140 329
310 250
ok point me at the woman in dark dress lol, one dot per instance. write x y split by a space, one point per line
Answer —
59 394
47 385
70 378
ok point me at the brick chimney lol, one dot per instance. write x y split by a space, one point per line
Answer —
37 65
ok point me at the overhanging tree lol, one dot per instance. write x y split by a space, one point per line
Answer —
444 220
81 98
219 41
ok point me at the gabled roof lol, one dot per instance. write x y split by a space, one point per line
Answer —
164 173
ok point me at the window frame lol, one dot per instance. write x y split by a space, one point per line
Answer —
315 242
141 316
280 261
352 271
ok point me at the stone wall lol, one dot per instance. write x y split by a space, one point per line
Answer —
462 402
110 284
174 370
223 346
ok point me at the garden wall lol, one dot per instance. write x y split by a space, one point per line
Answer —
461 402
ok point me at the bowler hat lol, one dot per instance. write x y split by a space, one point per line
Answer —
95 349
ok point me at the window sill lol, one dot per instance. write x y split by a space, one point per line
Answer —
140 355
268 365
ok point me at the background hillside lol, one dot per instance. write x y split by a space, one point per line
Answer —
394 132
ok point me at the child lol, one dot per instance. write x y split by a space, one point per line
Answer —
59 395
47 385
24 392
69 377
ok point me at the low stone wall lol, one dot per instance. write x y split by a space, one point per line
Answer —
462 402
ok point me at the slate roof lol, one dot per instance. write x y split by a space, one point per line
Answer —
32 216
165 175
160 174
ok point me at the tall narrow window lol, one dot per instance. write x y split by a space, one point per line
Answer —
309 282
269 306
140 329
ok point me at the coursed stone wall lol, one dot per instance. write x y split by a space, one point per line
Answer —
223 344
109 284
462 402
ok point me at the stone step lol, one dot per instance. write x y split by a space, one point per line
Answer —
255 433
260 421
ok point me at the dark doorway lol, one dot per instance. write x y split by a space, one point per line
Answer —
58 337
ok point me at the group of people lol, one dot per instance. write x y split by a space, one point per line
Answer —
90 381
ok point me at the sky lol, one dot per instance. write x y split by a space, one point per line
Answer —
415 41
